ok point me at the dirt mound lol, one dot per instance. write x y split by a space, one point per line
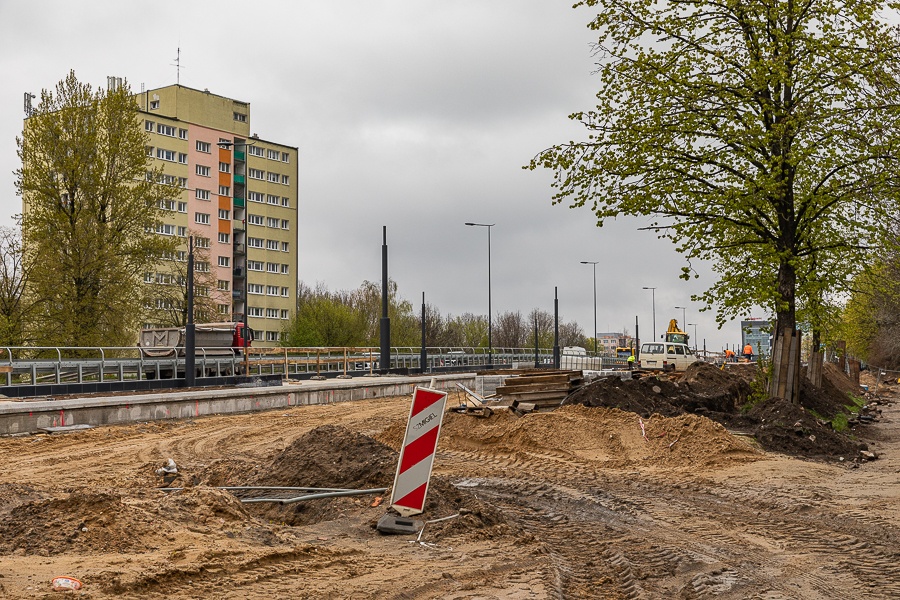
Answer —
837 378
332 456
703 388
720 395
611 437
788 428
78 522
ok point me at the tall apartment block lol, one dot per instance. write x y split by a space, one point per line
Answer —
239 202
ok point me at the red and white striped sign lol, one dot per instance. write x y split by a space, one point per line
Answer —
417 453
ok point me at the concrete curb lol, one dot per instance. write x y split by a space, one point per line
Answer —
20 417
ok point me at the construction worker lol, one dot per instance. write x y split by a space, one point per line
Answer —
748 352
630 362
729 355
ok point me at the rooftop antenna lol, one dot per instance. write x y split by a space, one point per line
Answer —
177 66
29 110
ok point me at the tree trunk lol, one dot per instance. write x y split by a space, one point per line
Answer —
816 360
785 381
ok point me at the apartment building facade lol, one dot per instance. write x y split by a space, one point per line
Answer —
239 202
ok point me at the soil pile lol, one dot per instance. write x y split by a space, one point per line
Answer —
703 388
333 456
721 396
79 522
612 437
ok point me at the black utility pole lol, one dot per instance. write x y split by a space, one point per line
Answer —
556 356
423 354
537 362
385 365
637 339
189 339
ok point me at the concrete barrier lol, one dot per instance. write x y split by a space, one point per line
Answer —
30 416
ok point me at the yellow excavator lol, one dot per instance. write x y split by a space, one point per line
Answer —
676 335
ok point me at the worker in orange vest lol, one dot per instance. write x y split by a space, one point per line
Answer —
748 352
729 355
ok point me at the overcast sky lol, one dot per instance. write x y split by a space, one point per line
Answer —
414 114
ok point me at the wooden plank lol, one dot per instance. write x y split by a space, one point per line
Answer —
535 387
556 378
6 369
535 396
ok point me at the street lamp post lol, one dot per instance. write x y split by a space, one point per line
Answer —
594 263
695 336
653 290
683 317
490 328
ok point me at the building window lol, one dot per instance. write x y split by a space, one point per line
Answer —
285 157
182 158
240 117
164 154
272 336
255 311
272 290
223 285
182 207
285 292
148 126
286 202
255 197
271 222
203 146
224 213
182 133
255 150
255 288
256 174
201 267
201 218
285 313
254 265
284 246
163 129
285 224
272 154
271 244
148 277
224 190
182 232
285 269
254 242
255 219
271 313
224 309
272 267
201 242
182 182
149 150
224 238
273 177
201 194
285 180
224 261
270 199
165 229
202 171
224 167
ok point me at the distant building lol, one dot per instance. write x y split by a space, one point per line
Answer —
756 332
608 342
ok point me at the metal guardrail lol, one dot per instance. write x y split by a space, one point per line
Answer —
29 365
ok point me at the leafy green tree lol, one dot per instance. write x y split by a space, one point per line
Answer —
759 135
90 213
323 320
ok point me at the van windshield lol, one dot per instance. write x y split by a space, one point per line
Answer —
652 349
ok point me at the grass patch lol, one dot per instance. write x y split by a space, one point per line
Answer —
840 423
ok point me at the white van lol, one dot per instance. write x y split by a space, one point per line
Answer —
667 356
